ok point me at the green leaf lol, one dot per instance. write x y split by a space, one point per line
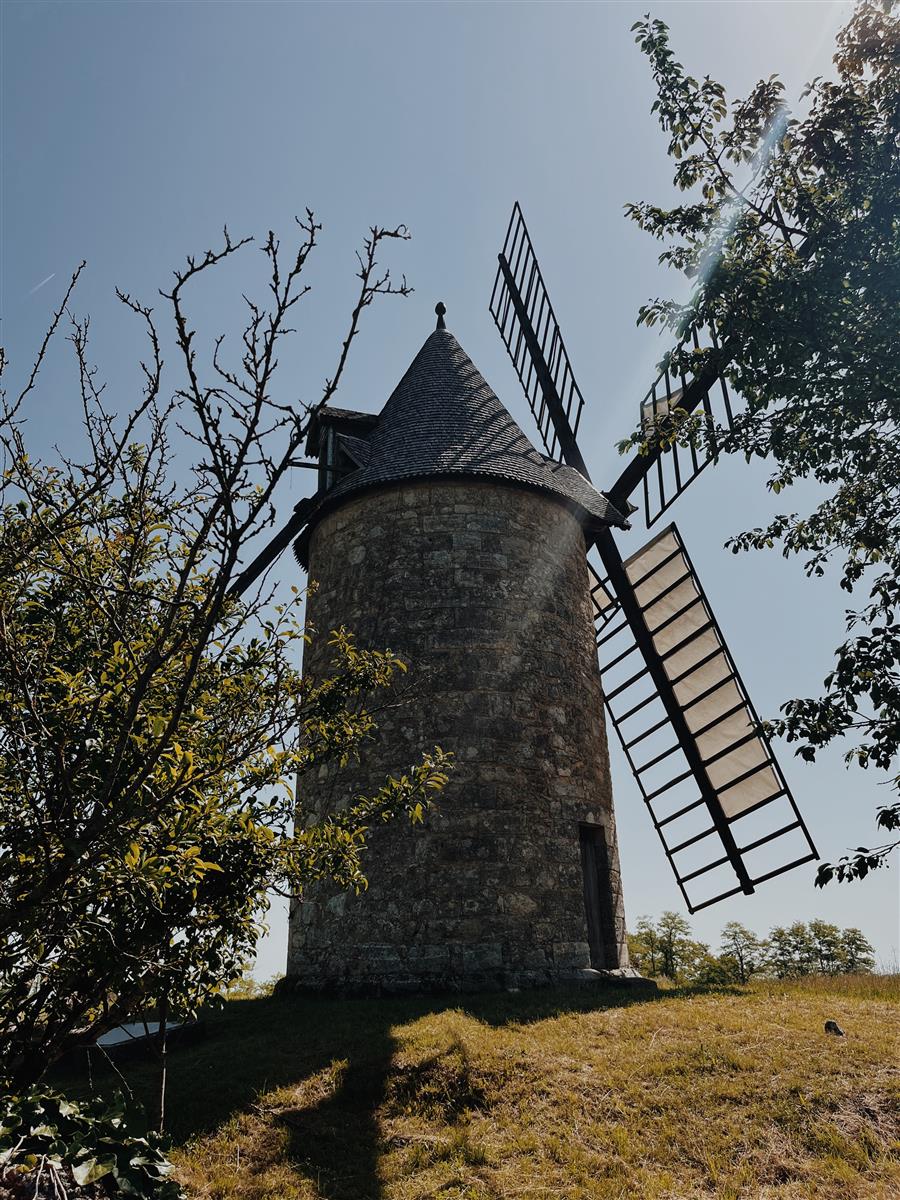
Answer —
91 1170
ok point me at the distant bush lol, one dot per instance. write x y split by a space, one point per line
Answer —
666 947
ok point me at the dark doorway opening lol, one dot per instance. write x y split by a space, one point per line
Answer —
598 899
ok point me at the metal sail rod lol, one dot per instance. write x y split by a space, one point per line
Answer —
615 569
642 464
567 444
276 546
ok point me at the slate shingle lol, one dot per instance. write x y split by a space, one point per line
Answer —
444 419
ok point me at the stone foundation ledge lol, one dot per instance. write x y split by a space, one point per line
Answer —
624 977
483 981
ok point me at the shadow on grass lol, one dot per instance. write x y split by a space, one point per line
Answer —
253 1047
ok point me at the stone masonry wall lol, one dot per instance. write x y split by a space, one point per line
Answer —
483 588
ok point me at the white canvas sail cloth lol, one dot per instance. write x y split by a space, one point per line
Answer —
697 664
727 822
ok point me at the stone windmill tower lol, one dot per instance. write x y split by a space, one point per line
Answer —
440 531
449 538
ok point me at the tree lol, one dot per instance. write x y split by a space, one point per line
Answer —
826 945
152 718
792 238
856 954
712 970
665 947
818 948
677 949
643 948
742 949
780 959
792 951
802 948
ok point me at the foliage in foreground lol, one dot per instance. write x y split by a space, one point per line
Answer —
247 987
736 1093
54 1147
666 948
791 233
152 718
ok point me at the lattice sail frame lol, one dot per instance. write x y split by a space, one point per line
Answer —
670 466
675 466
521 308
744 820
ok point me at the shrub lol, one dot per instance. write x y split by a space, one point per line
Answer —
55 1148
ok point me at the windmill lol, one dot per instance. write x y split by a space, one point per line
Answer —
655 623
440 530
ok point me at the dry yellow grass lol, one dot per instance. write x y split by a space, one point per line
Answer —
587 1097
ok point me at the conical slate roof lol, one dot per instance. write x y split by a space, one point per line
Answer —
444 419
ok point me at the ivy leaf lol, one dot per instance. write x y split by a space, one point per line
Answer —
92 1169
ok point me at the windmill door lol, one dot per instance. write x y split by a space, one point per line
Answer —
598 902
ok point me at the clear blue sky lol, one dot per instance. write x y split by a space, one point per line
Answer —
131 132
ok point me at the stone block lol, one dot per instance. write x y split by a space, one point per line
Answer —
487 956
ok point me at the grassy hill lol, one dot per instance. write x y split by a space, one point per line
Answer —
696 1093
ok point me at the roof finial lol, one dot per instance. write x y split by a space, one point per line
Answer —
440 308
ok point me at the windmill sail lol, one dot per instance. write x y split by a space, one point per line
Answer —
715 792
521 308
671 465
